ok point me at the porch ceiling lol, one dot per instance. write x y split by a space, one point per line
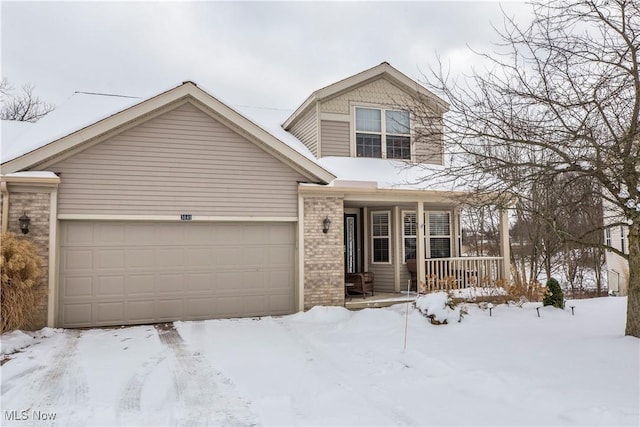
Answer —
354 196
401 205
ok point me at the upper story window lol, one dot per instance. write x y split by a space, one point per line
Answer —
383 134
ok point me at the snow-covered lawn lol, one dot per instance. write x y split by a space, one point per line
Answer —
330 366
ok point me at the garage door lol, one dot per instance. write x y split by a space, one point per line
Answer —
119 273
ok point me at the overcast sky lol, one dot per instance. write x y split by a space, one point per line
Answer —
264 54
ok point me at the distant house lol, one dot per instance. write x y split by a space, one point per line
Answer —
617 266
179 207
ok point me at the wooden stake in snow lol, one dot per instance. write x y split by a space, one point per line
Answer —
406 317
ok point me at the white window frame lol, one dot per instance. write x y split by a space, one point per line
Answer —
607 237
383 132
429 236
408 236
622 240
388 237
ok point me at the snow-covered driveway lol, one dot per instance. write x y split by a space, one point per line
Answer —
128 376
333 367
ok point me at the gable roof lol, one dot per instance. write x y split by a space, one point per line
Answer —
76 113
384 70
55 137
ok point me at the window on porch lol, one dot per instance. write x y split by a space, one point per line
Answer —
409 232
380 237
439 235
438 243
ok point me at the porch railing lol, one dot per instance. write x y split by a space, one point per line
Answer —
461 272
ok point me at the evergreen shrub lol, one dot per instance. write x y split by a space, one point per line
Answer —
555 296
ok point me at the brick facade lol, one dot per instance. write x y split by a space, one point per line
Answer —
323 252
36 204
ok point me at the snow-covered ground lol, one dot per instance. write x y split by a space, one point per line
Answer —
330 366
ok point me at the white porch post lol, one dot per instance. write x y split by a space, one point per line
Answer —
456 233
505 250
52 306
420 249
367 239
300 255
397 253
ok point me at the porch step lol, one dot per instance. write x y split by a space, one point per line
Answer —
377 301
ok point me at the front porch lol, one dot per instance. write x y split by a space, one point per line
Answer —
419 242
442 274
397 237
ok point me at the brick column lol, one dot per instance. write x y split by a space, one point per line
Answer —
323 252
36 206
32 196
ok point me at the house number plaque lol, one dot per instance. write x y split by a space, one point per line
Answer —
186 217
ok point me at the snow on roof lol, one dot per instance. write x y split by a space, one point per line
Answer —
32 174
269 119
389 174
83 109
77 112
12 130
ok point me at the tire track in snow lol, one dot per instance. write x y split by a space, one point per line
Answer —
65 383
58 387
129 403
9 383
205 396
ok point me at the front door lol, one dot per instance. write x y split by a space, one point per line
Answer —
351 243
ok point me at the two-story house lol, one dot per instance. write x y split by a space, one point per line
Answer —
179 207
616 236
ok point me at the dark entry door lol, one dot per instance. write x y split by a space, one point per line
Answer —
350 243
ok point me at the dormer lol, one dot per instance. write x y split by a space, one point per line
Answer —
372 114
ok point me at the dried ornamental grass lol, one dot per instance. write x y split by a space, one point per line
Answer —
527 292
21 269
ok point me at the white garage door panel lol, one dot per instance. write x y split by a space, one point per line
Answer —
114 273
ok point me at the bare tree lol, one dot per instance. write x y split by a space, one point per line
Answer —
5 87
558 102
23 106
480 226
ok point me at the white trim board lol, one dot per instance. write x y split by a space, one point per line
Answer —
175 218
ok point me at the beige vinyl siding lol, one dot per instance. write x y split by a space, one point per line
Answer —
335 138
181 162
380 92
430 149
384 277
404 277
306 130
617 273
